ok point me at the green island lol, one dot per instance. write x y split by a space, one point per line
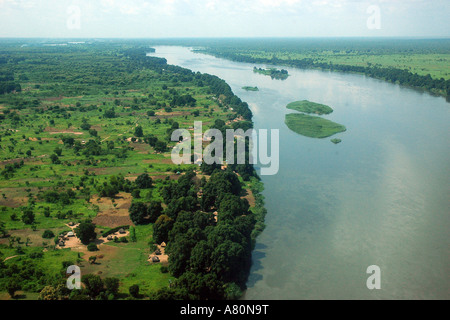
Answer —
248 88
336 140
312 126
273 73
309 107
86 177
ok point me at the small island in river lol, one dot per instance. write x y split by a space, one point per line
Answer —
312 126
248 88
273 73
306 106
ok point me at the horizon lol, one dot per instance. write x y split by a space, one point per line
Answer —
167 19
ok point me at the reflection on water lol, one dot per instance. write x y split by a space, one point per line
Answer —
380 197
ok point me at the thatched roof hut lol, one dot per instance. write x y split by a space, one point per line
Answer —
121 231
155 259
163 244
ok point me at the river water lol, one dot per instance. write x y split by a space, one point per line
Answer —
381 197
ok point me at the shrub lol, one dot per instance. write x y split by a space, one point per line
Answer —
92 247
48 234
134 290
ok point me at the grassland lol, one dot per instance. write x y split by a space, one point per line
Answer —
306 106
312 126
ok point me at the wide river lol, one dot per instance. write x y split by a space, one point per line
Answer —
381 197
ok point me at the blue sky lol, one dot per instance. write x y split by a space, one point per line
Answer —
223 18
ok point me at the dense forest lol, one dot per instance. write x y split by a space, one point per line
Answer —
86 177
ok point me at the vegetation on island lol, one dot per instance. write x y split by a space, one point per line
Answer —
273 73
336 140
306 106
85 139
312 126
422 64
248 88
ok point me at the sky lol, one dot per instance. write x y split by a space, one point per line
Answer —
223 18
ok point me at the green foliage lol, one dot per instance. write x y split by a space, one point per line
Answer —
86 232
92 247
312 126
48 234
134 290
309 107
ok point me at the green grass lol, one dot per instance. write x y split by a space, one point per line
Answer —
312 126
309 107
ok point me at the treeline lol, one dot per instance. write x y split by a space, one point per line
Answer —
7 83
218 86
390 74
208 235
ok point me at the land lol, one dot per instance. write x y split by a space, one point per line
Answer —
247 88
312 126
306 106
81 127
336 141
273 73
421 64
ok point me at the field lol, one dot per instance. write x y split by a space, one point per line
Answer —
423 64
80 126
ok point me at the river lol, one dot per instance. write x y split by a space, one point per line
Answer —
381 197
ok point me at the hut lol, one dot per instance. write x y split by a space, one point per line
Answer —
121 231
155 259
163 244
70 234
61 244
109 237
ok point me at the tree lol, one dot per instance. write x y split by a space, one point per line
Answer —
48 234
12 286
161 228
112 285
144 181
3 231
93 283
138 212
86 232
138 132
28 216
134 290
154 210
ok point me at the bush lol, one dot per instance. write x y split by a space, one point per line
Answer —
92 247
164 269
134 290
48 234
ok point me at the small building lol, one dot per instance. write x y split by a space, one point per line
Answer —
61 244
70 234
155 259
109 237
121 231
163 244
